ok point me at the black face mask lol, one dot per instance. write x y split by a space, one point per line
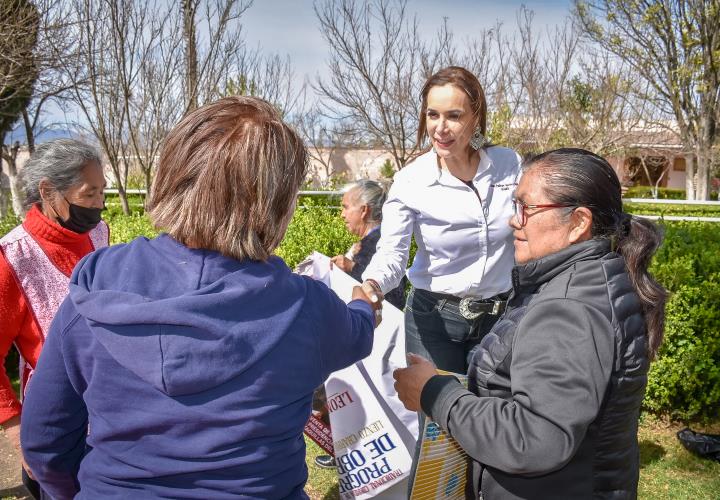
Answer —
82 219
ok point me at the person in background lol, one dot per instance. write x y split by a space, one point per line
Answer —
64 191
362 205
455 200
184 366
555 389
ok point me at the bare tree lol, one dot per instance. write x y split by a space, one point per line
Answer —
139 66
651 164
109 56
209 60
319 141
539 71
377 64
601 109
10 154
55 44
487 57
547 89
19 26
270 77
673 45
189 9
323 139
155 103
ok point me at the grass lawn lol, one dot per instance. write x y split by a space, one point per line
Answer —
322 483
667 470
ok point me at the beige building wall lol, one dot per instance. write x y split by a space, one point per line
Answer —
345 165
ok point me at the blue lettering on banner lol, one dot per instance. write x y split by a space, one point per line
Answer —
380 446
361 476
354 469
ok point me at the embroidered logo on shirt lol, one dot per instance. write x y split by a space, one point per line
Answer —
504 187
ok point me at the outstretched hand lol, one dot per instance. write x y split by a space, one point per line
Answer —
409 382
372 290
358 293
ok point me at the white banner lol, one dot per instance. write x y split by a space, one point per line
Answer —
373 435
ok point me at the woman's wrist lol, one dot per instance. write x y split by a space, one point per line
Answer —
373 291
374 284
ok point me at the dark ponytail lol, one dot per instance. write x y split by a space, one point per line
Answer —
637 247
578 177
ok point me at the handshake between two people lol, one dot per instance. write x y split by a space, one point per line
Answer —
370 293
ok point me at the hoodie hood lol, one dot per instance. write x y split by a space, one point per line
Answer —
184 320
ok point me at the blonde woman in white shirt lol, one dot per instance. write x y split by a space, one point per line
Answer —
455 199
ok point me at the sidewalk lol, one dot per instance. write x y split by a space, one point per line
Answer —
10 483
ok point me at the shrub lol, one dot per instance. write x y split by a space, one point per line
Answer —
314 228
663 193
8 223
676 209
684 382
388 169
319 200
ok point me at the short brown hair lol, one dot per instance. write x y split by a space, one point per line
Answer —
465 81
228 177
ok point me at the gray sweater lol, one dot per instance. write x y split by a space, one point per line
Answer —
556 386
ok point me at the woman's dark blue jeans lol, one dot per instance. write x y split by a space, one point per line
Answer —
435 329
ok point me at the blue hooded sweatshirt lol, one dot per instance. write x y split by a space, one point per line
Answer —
171 372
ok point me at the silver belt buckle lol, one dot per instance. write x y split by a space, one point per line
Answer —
464 308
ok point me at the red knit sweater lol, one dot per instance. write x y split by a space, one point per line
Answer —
17 322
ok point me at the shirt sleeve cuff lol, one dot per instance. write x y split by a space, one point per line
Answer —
362 307
439 395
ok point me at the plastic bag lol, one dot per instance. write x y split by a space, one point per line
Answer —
704 445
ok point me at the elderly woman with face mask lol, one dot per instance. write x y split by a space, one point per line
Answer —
63 183
555 389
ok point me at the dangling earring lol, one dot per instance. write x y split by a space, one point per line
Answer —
477 140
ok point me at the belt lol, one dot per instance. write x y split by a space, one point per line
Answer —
471 307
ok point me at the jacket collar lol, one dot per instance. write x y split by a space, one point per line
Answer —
542 270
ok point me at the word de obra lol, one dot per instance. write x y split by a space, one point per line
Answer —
367 467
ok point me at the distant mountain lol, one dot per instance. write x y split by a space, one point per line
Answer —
18 134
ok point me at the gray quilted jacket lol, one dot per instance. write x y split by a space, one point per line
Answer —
556 386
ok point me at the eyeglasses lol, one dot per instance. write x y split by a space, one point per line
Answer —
520 207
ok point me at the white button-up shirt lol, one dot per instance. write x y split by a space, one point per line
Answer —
464 245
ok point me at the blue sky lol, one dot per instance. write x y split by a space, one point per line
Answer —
290 26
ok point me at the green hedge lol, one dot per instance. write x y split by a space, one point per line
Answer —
314 227
684 382
7 224
677 209
663 193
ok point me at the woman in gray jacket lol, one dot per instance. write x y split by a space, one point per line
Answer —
556 387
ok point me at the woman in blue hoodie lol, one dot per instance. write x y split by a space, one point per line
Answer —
184 366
